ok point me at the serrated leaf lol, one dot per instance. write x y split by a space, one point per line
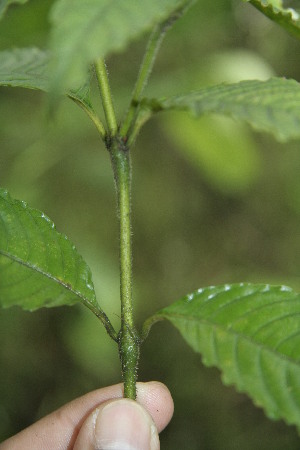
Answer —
85 30
288 18
4 4
252 334
272 105
39 266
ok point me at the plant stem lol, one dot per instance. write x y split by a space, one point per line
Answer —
128 339
154 43
117 143
105 92
153 46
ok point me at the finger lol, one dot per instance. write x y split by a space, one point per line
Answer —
60 429
155 397
118 424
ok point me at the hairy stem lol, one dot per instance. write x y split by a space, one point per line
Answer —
129 125
105 92
128 340
154 43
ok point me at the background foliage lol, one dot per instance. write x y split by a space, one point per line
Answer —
213 203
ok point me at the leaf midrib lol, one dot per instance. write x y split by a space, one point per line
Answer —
233 333
44 273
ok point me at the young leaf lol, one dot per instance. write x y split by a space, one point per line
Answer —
85 30
288 18
272 105
4 4
250 332
39 266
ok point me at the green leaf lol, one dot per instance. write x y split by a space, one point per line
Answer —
4 4
24 67
272 105
29 68
252 334
288 18
85 30
39 266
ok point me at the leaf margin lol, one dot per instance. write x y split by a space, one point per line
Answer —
15 211
287 18
283 413
180 102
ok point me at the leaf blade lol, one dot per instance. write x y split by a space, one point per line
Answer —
39 266
252 334
29 68
87 30
25 67
272 106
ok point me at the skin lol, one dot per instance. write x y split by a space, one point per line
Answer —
72 427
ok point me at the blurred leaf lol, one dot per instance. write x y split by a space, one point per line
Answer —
251 333
4 4
29 68
39 266
272 105
220 149
85 30
287 18
26 67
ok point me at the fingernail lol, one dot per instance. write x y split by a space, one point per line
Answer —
124 425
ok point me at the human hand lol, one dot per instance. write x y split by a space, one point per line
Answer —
101 420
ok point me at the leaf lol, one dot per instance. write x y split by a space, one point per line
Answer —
39 266
82 94
4 4
288 18
29 68
272 105
26 67
250 332
85 30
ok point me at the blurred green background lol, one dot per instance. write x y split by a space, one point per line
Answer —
213 202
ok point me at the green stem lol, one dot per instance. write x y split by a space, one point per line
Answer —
105 92
128 340
154 43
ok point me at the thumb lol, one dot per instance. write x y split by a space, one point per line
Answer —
118 425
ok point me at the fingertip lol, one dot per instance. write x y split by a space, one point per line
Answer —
157 400
118 424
